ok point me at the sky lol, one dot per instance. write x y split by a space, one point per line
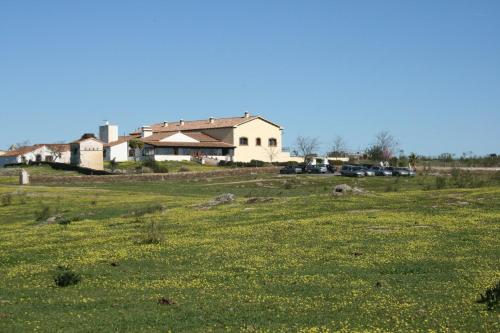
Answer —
427 71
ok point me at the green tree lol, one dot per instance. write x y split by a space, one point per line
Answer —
135 144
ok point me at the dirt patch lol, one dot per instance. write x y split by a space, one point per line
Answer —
380 229
258 200
165 301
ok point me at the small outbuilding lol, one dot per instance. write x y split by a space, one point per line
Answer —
88 152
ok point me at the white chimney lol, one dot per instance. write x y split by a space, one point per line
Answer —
181 122
146 131
165 124
211 120
247 115
108 133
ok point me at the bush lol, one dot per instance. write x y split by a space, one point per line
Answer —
257 163
440 182
7 199
66 277
155 166
184 169
491 297
43 214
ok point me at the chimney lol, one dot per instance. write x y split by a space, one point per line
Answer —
181 122
211 120
108 133
247 115
146 131
165 124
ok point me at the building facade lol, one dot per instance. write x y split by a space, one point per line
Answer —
87 152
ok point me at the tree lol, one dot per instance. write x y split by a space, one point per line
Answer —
272 152
339 147
384 143
135 144
306 145
412 160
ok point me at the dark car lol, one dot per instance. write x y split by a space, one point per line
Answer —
331 168
381 171
317 168
404 172
352 171
401 172
291 169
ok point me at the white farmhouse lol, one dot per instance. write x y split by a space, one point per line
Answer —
37 153
87 152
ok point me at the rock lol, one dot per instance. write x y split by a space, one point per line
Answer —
341 189
224 198
358 190
219 200
24 177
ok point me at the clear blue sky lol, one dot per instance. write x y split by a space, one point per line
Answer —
426 71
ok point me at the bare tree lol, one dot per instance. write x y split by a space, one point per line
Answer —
19 145
387 143
306 145
339 147
272 152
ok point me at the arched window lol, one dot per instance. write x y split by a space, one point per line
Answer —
243 141
273 142
258 142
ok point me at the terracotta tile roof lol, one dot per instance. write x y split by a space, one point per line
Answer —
217 144
21 151
194 125
60 147
198 136
121 139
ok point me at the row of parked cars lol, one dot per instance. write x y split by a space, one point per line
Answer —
348 170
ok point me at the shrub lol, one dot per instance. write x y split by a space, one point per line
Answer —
257 163
184 169
7 199
44 213
491 297
155 166
66 277
153 233
288 186
440 182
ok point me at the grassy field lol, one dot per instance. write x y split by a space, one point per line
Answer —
408 255
172 166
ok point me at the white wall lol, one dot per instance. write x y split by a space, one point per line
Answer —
160 158
117 152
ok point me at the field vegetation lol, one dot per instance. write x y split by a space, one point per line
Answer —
405 254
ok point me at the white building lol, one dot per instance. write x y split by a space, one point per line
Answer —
87 152
37 153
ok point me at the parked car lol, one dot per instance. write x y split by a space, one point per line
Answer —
411 172
351 171
331 168
291 169
401 172
317 168
380 171
368 172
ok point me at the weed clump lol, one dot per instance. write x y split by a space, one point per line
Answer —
155 166
7 199
154 208
44 213
440 182
153 233
65 277
184 169
491 297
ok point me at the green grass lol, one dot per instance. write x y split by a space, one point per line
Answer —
404 257
173 166
39 170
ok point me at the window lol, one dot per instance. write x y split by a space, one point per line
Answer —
104 153
148 151
273 142
243 141
131 152
258 142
